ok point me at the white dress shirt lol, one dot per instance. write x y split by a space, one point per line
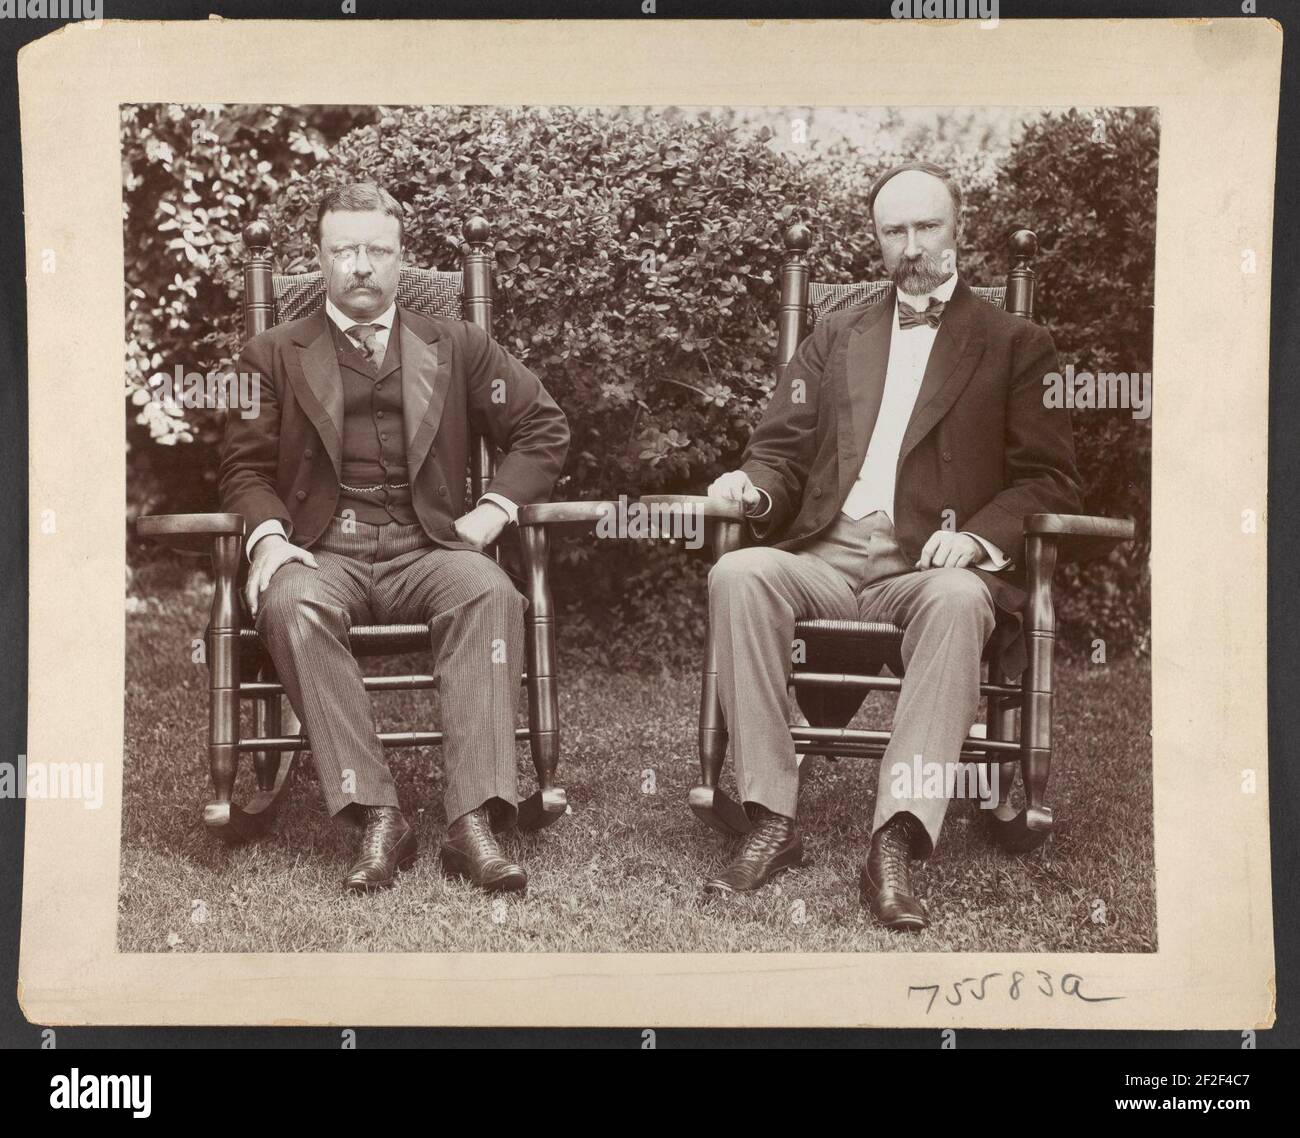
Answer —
384 321
909 353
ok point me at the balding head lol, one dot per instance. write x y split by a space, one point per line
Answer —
916 209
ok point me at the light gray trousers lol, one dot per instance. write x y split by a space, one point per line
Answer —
853 571
394 574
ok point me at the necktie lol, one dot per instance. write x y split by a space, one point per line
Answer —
909 317
366 337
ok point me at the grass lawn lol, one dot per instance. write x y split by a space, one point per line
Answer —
623 872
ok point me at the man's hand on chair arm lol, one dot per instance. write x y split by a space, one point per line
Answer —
735 486
483 524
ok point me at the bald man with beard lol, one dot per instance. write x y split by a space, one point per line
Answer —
888 480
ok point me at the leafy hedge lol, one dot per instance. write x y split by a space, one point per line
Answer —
637 262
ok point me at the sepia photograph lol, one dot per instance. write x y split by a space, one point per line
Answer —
502 431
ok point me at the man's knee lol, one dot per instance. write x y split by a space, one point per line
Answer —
294 591
739 570
959 594
486 583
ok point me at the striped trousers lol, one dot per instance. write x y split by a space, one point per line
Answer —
393 574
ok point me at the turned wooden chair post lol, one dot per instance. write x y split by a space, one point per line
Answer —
223 677
476 267
1036 684
1020 279
792 317
543 694
259 289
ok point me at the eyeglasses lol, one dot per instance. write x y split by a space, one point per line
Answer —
375 254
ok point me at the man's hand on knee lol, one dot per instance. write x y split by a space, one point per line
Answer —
269 554
949 550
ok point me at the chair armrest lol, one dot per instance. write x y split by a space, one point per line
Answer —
190 533
711 509
1080 537
1081 525
579 515
722 520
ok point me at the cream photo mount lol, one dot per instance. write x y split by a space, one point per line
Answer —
1216 85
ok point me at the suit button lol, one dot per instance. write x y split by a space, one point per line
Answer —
302 495
383 438
379 414
442 491
947 456
817 491
308 453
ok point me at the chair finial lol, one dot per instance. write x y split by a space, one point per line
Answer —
1024 243
798 238
477 230
257 235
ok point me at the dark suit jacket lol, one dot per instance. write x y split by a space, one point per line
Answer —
980 440
284 463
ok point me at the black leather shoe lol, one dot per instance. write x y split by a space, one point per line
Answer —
886 882
471 851
772 845
388 843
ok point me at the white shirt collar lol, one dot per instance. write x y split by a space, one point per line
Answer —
343 321
943 292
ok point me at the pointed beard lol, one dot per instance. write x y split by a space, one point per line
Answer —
918 276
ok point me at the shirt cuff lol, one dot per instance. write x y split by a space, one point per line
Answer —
512 511
994 558
270 526
764 507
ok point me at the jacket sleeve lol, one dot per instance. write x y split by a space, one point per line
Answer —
782 448
509 405
250 449
1041 476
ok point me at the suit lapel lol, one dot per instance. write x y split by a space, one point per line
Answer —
426 377
957 349
313 369
862 386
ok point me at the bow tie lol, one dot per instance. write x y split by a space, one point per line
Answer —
909 317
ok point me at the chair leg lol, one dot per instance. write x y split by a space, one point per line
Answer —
708 801
223 684
267 720
1027 829
253 819
549 802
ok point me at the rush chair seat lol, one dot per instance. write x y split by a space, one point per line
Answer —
842 660
234 648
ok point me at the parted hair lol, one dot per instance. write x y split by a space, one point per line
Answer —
360 197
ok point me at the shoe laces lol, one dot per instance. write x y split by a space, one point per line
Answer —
479 833
768 835
373 839
895 856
